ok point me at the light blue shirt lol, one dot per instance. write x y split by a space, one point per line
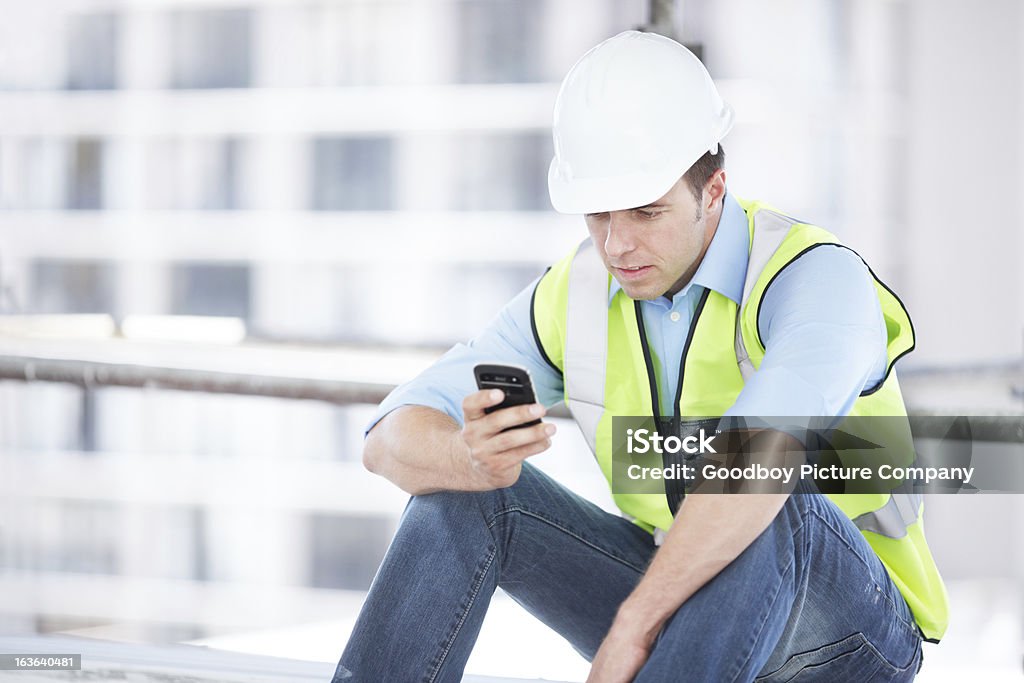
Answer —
821 323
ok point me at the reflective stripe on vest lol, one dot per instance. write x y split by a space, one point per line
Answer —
895 517
769 232
586 341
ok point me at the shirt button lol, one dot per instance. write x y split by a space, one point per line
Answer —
675 316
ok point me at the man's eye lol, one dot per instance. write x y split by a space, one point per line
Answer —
644 213
597 215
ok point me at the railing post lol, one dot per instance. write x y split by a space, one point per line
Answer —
87 420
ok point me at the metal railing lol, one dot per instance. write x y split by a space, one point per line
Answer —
93 374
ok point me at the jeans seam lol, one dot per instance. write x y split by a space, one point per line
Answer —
563 529
513 535
764 622
778 590
914 628
893 669
474 591
833 644
840 536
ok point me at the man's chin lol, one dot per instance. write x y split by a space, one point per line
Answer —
641 293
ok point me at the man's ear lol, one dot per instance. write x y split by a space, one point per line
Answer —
714 190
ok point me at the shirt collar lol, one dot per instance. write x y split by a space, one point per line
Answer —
724 267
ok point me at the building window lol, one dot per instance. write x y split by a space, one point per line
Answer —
211 48
211 289
72 287
92 52
502 172
345 551
352 174
500 41
192 173
85 174
207 174
72 536
34 173
89 543
364 292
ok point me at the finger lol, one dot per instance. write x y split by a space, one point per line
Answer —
524 452
517 438
516 415
473 405
490 447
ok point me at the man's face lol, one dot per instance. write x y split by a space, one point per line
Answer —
654 250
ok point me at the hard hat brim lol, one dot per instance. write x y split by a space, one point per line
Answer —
597 195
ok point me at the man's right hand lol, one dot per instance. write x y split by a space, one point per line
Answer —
497 456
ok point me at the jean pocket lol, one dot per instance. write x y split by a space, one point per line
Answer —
851 659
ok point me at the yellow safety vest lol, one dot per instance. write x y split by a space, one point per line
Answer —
600 349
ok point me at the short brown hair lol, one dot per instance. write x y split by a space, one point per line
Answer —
698 175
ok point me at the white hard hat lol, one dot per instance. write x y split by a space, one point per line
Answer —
632 115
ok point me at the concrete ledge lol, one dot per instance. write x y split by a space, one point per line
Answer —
139 663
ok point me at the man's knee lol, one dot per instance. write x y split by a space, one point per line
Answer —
441 509
492 502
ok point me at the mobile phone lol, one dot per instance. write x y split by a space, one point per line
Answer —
513 380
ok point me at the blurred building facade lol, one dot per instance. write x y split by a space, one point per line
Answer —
345 172
324 171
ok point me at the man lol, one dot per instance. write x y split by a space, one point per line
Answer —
713 307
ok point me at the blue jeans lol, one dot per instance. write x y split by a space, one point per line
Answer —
808 600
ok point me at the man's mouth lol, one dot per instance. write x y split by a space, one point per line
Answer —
631 272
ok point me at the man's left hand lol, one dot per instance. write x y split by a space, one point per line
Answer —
621 656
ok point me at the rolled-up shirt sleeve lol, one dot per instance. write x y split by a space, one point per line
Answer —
508 339
824 336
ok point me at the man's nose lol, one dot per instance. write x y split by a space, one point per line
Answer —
619 240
